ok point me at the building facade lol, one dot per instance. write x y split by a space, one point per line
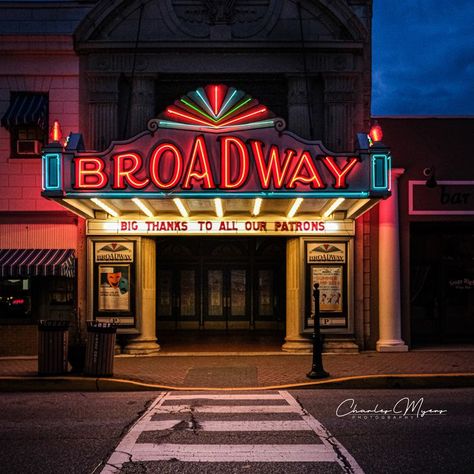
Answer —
436 227
196 256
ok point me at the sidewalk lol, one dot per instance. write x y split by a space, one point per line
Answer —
177 371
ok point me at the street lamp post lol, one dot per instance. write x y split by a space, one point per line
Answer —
317 371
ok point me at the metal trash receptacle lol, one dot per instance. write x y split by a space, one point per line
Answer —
100 348
52 347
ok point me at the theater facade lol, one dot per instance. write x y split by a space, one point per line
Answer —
207 163
216 216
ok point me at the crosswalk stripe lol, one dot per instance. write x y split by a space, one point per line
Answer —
121 454
233 453
343 458
216 396
294 425
227 409
130 450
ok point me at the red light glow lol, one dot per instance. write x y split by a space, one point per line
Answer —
56 134
376 133
242 156
216 95
271 168
340 173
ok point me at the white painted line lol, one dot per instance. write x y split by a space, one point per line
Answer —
226 409
343 458
246 396
120 456
164 425
294 425
233 452
330 450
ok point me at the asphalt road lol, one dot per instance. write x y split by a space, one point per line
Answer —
431 431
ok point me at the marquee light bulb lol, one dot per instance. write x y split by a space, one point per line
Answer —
182 209
105 207
257 206
294 207
143 207
219 209
333 207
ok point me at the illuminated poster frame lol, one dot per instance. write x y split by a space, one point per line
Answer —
328 262
114 282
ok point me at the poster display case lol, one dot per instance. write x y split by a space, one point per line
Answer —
114 282
327 265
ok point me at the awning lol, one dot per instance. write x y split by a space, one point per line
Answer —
37 262
26 109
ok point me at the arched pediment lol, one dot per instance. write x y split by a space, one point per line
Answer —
166 22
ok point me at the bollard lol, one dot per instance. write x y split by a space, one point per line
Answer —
317 371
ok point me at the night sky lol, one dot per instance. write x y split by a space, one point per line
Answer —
423 57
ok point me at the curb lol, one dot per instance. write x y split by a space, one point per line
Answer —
92 384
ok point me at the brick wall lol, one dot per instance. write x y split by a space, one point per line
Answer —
54 69
16 340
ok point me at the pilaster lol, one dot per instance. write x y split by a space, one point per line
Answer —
145 342
298 109
143 103
103 110
294 341
389 273
339 111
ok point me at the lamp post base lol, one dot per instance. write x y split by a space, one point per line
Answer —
317 374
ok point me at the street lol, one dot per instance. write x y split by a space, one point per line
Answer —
377 431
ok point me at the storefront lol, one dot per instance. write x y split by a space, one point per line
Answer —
436 227
217 217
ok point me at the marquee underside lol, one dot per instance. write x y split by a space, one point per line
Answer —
193 209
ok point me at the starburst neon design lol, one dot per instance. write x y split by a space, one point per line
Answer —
216 108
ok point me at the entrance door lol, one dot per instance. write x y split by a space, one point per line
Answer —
226 298
220 283
269 297
178 296
442 283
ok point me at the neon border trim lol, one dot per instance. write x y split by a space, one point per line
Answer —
228 195
386 172
50 160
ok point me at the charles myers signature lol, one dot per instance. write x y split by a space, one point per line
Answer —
401 408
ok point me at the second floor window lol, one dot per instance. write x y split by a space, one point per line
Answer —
27 121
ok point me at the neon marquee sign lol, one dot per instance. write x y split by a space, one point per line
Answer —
216 141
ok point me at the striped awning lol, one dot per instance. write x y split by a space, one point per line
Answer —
26 109
37 262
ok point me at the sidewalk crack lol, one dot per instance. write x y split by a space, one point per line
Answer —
195 425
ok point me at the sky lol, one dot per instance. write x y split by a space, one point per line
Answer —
423 57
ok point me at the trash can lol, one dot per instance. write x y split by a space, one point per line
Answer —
52 347
100 348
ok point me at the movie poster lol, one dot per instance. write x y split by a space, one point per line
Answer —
114 287
330 279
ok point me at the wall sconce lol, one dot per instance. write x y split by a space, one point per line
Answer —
429 173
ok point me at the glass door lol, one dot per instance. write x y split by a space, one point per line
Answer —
269 297
226 297
178 297
215 297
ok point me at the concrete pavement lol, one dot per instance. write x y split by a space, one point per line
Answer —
255 371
